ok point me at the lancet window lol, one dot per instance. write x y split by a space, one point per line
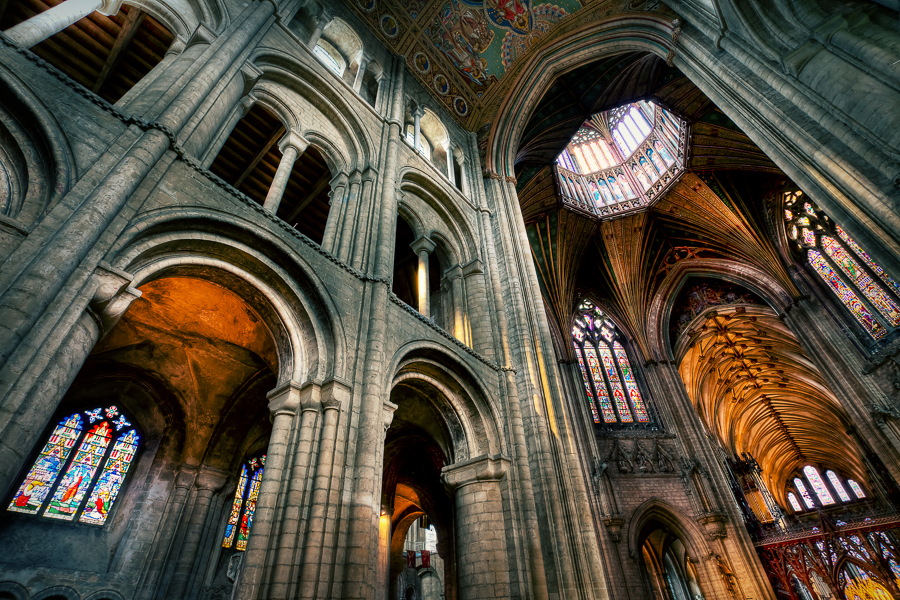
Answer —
237 531
824 491
81 468
612 390
869 293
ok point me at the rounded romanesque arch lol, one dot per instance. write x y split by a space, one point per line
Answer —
284 291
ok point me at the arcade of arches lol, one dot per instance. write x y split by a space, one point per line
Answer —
453 300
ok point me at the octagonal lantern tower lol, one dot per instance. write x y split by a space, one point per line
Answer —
622 160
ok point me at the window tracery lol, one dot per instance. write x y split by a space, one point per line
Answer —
66 475
237 531
871 295
609 382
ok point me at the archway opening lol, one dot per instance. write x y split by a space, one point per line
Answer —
249 159
106 54
418 445
407 276
670 571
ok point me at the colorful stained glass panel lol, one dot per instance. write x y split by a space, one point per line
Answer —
609 415
803 221
587 387
615 383
818 485
807 499
871 290
890 281
43 474
107 487
838 486
856 489
637 403
249 509
79 474
809 237
847 296
231 527
795 504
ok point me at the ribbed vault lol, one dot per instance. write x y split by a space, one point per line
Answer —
758 392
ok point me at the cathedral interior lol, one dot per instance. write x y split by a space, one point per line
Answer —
450 299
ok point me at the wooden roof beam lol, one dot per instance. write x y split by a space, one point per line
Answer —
273 139
132 23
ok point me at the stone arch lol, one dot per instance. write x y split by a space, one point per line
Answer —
57 592
295 82
182 17
284 288
466 402
344 39
37 166
105 595
408 213
13 590
664 513
451 218
755 279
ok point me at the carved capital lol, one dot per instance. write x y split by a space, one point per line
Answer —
423 244
293 139
286 398
250 74
387 413
480 469
614 528
335 393
112 297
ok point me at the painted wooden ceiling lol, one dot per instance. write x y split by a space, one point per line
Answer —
466 52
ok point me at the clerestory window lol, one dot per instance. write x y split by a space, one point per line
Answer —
869 293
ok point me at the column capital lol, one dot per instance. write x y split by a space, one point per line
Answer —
424 243
484 468
473 267
201 35
387 413
287 397
210 478
247 103
250 73
335 393
293 139
109 7
459 154
418 111
454 272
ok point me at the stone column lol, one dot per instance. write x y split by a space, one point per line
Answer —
50 22
239 112
448 150
347 230
208 481
481 566
460 159
324 19
291 530
291 145
364 61
334 394
455 275
417 114
283 402
423 247
336 203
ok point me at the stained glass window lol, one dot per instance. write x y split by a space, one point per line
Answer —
66 477
795 504
807 499
240 519
606 371
812 475
856 489
846 294
844 266
838 486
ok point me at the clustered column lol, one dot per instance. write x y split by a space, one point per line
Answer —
292 145
50 22
482 567
423 247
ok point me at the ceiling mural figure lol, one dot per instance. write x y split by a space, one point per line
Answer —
514 15
461 33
